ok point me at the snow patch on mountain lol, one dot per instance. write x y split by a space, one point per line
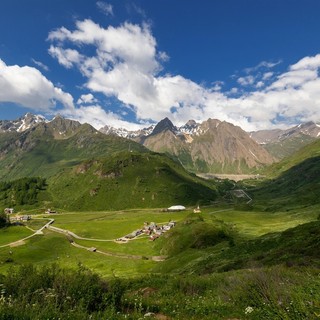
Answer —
22 124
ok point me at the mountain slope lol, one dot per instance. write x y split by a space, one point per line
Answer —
293 181
128 180
204 248
212 146
24 123
283 143
226 148
46 148
311 150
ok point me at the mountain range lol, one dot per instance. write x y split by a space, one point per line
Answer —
22 124
46 147
207 146
282 143
85 168
212 146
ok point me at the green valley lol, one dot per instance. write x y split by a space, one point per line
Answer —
92 232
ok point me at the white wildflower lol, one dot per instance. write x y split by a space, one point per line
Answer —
248 310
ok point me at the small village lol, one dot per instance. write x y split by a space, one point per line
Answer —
152 230
17 217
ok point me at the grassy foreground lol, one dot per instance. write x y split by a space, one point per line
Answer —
221 264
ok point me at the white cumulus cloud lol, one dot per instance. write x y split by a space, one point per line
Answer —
66 57
98 117
27 86
246 81
127 64
86 99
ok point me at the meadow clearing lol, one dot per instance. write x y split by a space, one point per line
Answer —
135 256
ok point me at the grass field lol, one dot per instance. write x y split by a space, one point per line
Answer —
112 225
55 247
254 223
219 263
12 234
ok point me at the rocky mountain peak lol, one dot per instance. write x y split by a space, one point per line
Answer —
24 123
309 128
191 123
190 127
63 127
164 125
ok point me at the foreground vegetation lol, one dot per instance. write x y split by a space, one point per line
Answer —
51 292
221 264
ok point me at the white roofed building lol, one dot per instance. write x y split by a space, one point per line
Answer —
177 208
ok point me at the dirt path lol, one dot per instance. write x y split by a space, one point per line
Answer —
67 232
106 253
22 241
49 226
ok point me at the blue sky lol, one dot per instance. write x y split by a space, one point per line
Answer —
254 63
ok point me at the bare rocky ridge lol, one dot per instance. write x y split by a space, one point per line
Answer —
310 128
283 143
22 124
210 146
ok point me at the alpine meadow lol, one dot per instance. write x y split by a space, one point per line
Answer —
159 160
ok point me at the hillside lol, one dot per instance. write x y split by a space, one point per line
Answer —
199 246
309 151
299 185
294 181
283 143
128 180
46 148
211 146
288 146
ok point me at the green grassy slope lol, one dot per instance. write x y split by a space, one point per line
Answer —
40 152
294 181
128 180
309 151
299 185
200 246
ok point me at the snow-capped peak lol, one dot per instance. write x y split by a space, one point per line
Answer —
22 124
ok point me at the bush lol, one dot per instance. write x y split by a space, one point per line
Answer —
4 221
55 291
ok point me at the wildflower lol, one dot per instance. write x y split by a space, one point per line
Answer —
248 310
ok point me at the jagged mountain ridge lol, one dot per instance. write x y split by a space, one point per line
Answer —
310 128
48 147
283 143
22 124
210 146
124 133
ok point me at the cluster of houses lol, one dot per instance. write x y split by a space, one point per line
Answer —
18 218
154 231
151 229
50 211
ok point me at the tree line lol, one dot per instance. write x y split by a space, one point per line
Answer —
23 191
